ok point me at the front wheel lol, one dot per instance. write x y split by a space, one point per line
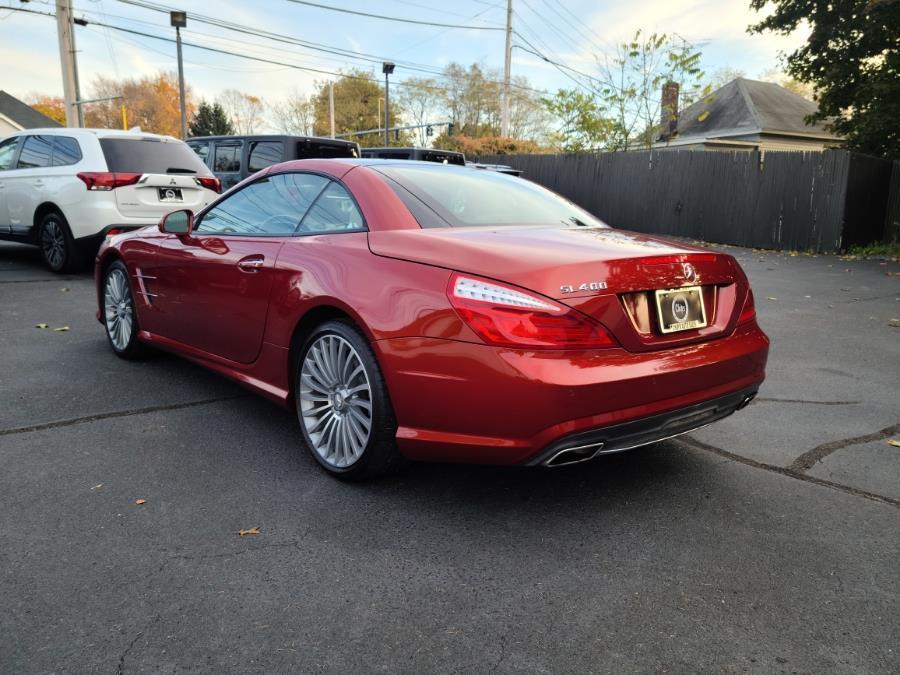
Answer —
343 405
119 316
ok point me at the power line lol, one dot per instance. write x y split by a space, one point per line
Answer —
394 18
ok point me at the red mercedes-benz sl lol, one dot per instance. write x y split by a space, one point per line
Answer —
435 312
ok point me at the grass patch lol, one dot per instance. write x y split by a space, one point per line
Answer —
887 250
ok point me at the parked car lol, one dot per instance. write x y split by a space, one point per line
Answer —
66 189
433 312
233 158
416 154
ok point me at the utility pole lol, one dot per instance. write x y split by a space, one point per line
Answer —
387 68
507 67
179 20
65 30
331 105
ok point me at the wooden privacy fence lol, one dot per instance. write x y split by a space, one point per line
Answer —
789 200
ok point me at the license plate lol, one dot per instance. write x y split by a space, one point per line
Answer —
680 309
169 194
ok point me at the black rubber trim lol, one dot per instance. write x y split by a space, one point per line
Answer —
651 429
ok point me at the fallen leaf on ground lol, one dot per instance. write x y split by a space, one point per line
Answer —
61 329
252 530
894 323
97 487
894 442
64 289
140 501
771 298
41 325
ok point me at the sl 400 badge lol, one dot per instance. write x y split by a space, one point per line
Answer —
587 286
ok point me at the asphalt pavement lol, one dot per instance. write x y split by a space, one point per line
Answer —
768 542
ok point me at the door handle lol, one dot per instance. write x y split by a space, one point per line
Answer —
251 265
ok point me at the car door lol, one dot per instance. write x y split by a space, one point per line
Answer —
25 185
8 150
227 156
214 284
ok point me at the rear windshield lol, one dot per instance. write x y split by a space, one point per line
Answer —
149 155
315 149
444 157
465 197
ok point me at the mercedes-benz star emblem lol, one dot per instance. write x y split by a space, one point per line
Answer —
688 270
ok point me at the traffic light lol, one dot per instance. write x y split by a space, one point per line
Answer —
429 131
450 129
396 134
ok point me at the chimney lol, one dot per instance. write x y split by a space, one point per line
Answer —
669 111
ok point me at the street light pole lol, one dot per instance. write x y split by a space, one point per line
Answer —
179 21
387 68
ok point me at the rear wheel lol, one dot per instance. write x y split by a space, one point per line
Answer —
119 315
57 245
343 406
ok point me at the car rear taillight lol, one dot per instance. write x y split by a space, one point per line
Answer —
210 183
748 313
508 317
105 181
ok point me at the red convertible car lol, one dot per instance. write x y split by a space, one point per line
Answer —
433 312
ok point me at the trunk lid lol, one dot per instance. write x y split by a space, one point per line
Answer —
611 275
157 194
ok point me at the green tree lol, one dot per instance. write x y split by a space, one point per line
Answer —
210 120
852 57
582 126
356 108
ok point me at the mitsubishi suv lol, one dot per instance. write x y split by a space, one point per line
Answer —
64 190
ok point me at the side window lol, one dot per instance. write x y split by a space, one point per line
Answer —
35 152
7 152
202 150
228 157
334 211
66 151
273 205
263 154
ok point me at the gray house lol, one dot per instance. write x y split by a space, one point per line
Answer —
16 115
749 115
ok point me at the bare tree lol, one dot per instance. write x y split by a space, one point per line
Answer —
244 110
295 115
421 99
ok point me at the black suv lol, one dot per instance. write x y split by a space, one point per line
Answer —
233 158
421 154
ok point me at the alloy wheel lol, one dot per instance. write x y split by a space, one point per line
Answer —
118 308
335 399
53 244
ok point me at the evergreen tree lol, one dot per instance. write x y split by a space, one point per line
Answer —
210 120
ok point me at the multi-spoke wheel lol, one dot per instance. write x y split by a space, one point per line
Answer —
342 403
57 245
118 312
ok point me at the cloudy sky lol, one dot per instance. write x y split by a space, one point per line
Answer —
573 32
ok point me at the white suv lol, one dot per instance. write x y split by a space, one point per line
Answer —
66 189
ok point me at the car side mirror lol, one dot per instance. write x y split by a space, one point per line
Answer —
177 222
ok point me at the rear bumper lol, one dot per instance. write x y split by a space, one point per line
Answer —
89 245
459 401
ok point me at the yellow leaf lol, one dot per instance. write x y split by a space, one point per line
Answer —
252 530
894 442
61 329
41 325
140 501
702 116
64 289
894 323
771 298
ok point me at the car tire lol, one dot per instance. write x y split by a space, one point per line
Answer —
119 316
58 249
346 419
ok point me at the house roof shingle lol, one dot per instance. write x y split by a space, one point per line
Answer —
748 106
23 114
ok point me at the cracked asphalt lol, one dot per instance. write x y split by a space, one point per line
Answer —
768 542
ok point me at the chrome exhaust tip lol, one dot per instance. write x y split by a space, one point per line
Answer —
581 453
747 400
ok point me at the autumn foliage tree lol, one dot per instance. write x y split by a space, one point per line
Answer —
52 106
151 103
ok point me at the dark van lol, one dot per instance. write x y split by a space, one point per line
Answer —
420 154
233 158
